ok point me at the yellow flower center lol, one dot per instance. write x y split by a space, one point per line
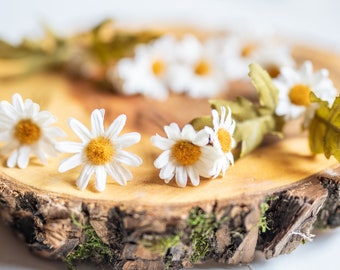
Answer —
158 67
299 95
186 153
27 132
202 68
273 71
248 49
99 151
224 139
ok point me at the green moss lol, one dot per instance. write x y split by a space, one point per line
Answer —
160 245
92 248
263 222
203 227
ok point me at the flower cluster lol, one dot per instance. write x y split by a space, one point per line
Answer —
27 131
190 154
197 68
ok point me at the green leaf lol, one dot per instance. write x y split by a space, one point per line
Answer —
267 91
251 132
324 129
201 122
242 108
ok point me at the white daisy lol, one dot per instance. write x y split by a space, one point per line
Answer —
186 155
272 56
101 151
199 75
27 131
145 73
295 86
221 137
234 56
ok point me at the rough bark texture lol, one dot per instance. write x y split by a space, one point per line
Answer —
175 236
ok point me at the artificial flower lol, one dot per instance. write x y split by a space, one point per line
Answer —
221 136
146 72
27 130
295 85
102 152
200 74
186 154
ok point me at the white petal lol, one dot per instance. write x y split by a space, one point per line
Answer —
45 118
39 152
24 156
128 158
202 138
54 132
162 159
85 176
116 126
69 147
172 131
215 119
31 108
127 139
78 128
100 178
18 103
97 123
5 136
167 172
12 160
124 174
70 163
188 132
48 147
193 175
181 176
110 169
161 142
9 110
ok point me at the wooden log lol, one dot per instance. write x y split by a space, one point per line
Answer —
269 201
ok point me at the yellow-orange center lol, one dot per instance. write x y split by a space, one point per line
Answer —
186 153
299 95
273 71
224 139
27 132
248 49
158 67
99 151
202 68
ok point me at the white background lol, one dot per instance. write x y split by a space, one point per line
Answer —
313 22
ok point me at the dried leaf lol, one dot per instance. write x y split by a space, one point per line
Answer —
267 91
324 129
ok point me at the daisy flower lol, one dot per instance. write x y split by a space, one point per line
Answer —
145 73
27 131
199 75
295 86
272 56
101 151
186 155
221 137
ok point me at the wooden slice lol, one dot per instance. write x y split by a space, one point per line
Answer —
269 201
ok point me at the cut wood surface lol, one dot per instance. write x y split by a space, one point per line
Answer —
280 186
